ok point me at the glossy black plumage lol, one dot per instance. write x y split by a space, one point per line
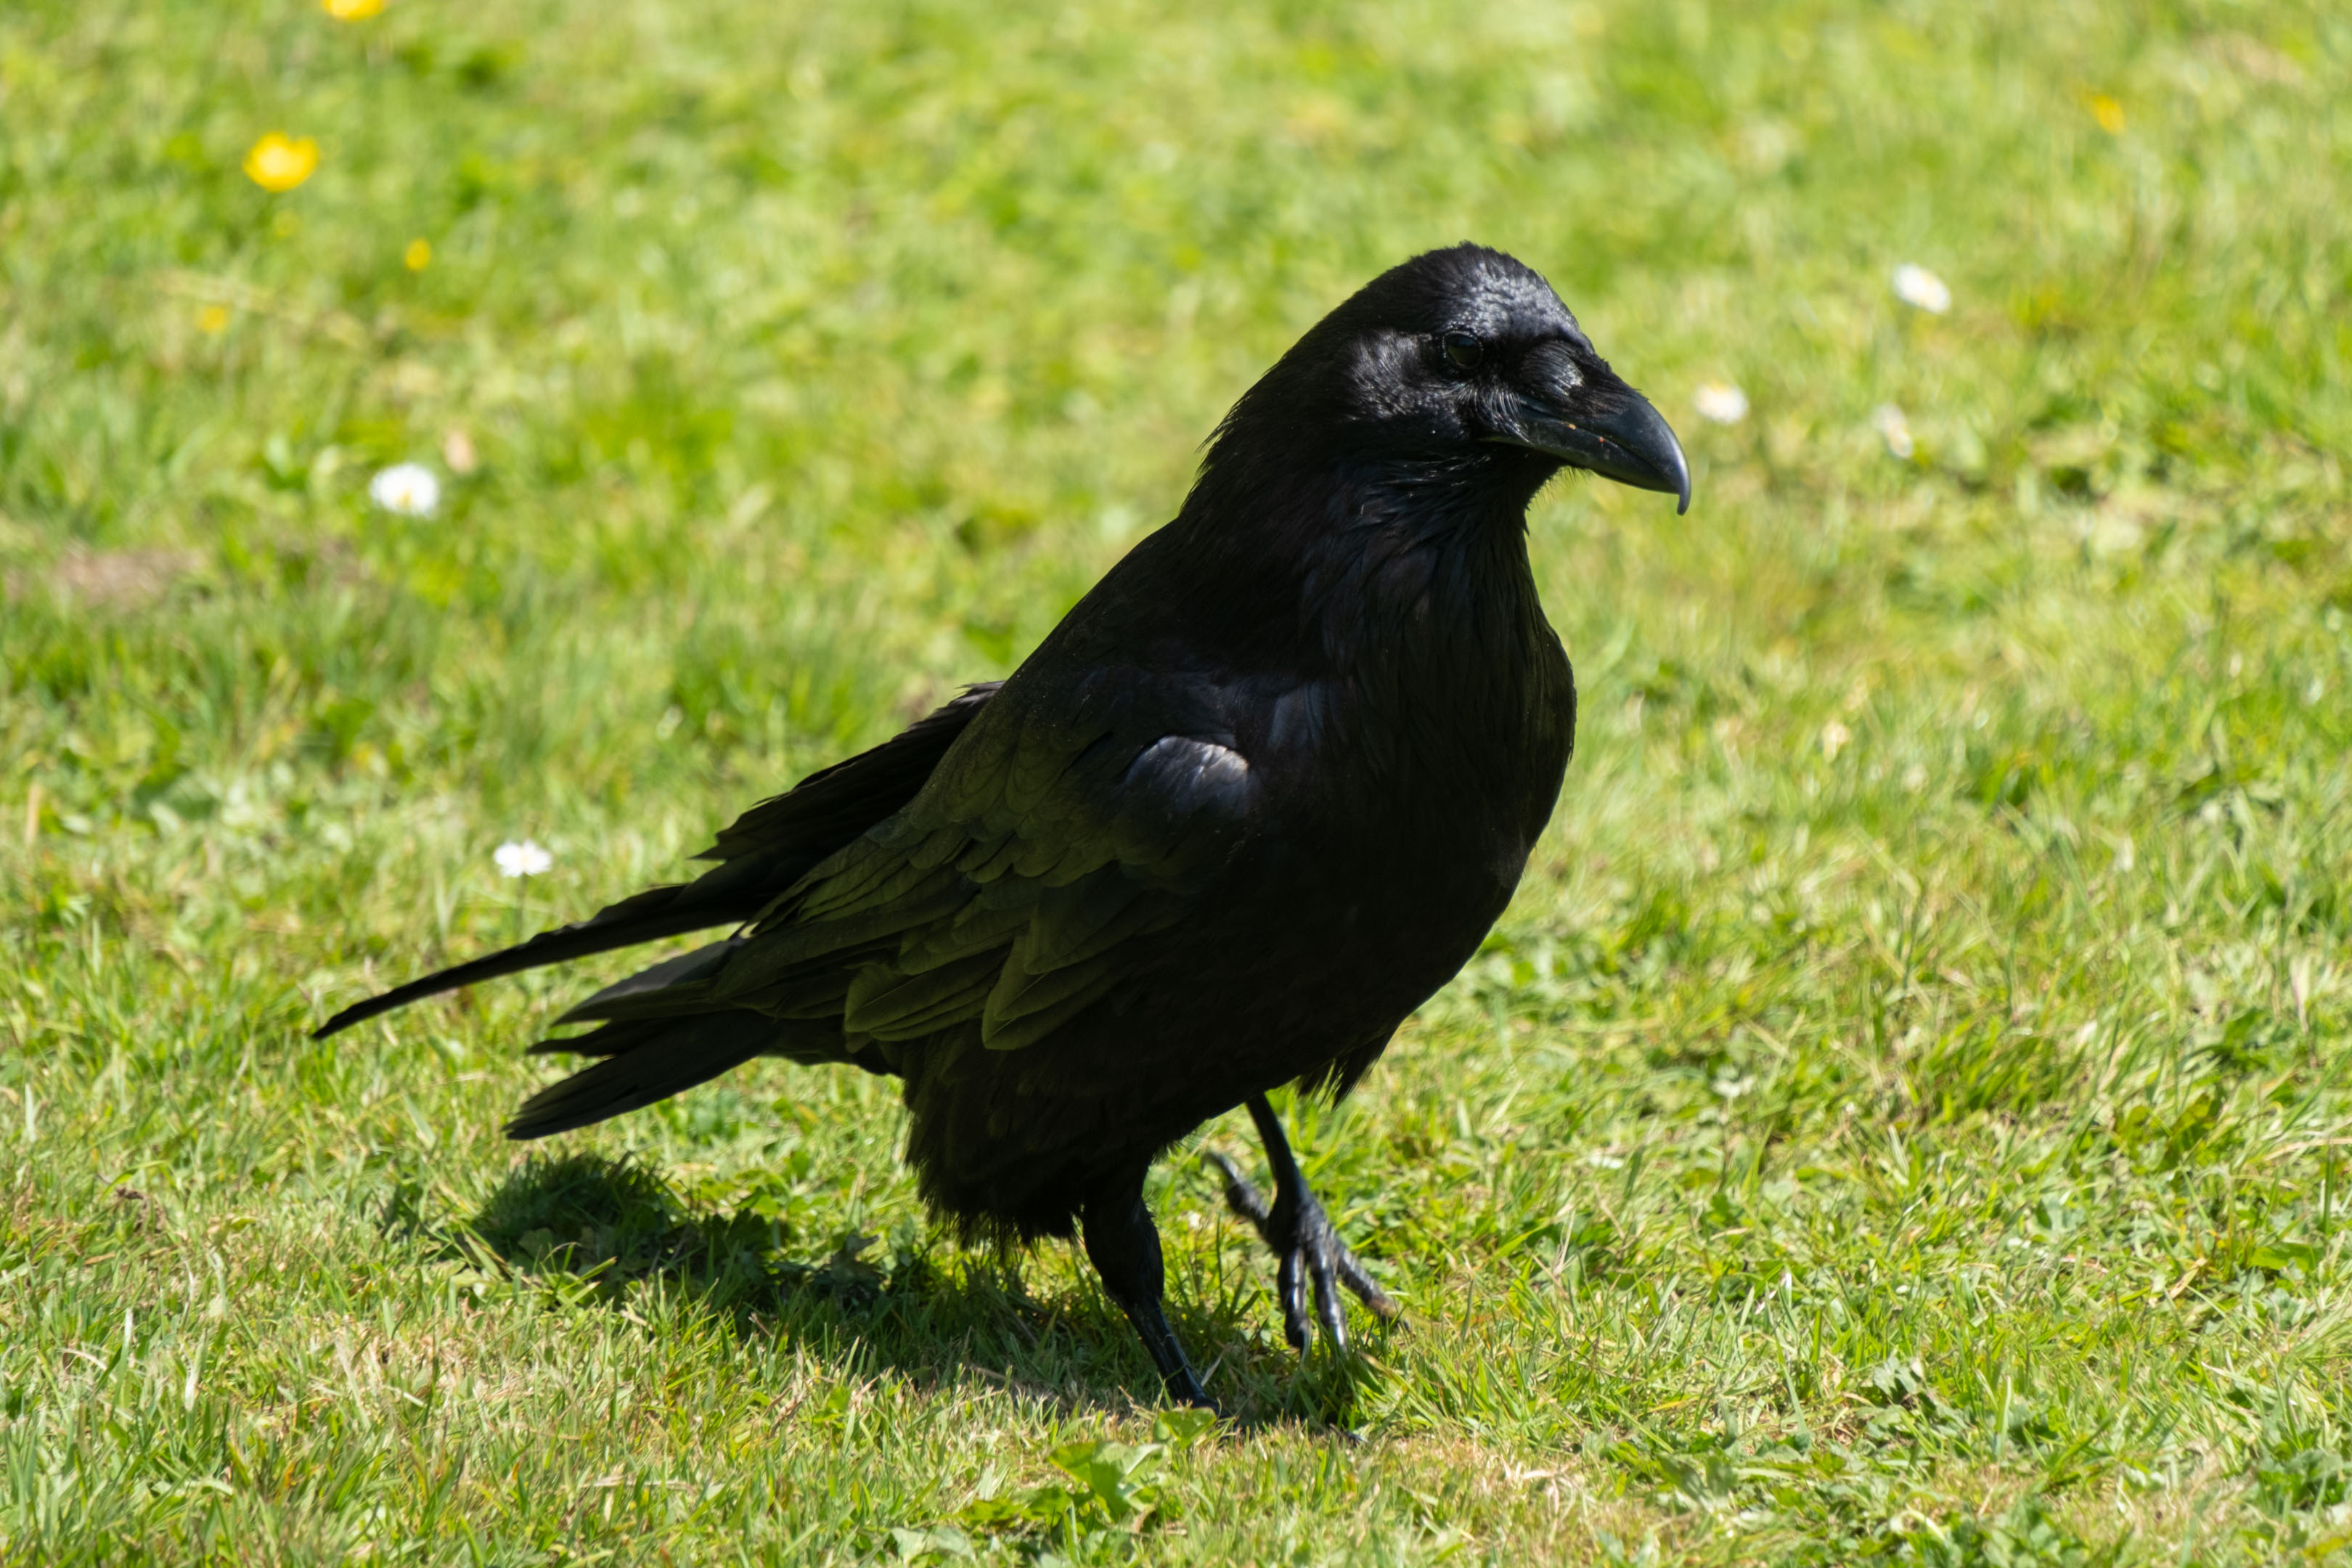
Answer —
1258 795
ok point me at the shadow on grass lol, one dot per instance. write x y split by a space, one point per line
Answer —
587 1228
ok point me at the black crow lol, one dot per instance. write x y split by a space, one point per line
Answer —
1259 794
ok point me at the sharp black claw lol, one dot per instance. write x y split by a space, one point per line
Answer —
1327 1302
1293 1291
1309 1255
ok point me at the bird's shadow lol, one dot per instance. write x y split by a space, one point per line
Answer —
586 1229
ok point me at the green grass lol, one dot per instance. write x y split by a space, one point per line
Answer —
1907 1113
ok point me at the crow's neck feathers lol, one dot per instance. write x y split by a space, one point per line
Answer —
1417 557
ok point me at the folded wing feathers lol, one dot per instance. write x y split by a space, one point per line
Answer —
1044 1006
775 949
1016 930
982 926
862 874
1020 992
887 1004
1077 922
815 995
1036 769
1010 916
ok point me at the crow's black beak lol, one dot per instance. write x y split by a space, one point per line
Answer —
1597 422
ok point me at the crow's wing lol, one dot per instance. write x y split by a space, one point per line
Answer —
1024 881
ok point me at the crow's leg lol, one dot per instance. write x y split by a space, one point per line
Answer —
1125 1249
1308 1248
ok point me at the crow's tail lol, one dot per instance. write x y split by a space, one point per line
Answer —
647 917
763 854
646 1060
662 1038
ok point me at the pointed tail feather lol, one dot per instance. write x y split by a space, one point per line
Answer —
656 1060
673 979
763 853
647 917
610 1041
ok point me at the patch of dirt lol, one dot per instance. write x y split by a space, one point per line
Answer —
109 579
2251 57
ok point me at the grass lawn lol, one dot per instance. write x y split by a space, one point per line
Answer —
1907 1115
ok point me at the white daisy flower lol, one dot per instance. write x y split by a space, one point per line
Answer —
1914 285
407 488
523 859
1894 429
1721 402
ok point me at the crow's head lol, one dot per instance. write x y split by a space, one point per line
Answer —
1463 359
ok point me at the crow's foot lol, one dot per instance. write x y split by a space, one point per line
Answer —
1307 1251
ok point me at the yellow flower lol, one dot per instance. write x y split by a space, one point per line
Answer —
213 319
2109 113
418 256
351 10
278 162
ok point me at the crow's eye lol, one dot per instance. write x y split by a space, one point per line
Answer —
1464 349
